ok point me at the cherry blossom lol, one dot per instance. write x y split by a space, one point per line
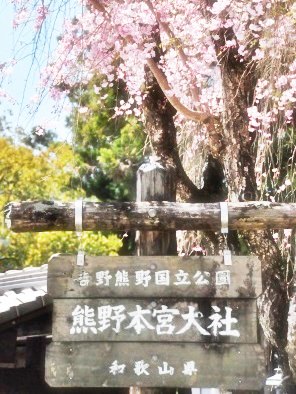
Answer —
178 42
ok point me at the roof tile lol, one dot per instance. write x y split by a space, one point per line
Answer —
22 292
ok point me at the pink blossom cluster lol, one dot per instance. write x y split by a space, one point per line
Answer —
115 39
41 13
27 12
182 44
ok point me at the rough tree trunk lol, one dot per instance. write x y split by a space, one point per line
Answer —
231 145
238 159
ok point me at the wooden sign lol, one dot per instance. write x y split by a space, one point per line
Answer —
155 276
155 321
108 364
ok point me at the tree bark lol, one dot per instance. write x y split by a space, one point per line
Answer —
238 157
274 302
161 129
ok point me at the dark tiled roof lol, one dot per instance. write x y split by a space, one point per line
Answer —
35 277
22 292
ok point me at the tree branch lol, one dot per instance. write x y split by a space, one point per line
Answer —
98 6
184 58
176 103
163 83
160 127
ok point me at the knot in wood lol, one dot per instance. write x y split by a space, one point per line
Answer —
152 213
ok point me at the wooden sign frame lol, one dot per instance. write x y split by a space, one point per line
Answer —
93 349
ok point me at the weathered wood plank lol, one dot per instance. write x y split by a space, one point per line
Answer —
58 216
88 364
156 182
161 320
98 278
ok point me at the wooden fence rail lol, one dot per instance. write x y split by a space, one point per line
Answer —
52 215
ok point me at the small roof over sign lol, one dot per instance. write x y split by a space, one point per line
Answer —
22 292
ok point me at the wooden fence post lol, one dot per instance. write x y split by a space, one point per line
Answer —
155 182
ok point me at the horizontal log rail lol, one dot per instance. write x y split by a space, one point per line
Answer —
57 216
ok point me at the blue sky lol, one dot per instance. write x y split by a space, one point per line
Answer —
24 79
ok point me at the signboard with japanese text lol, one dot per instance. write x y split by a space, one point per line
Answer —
160 320
155 322
150 276
125 364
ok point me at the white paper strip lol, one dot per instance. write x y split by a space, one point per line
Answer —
224 217
78 207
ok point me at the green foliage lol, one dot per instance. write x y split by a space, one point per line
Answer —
110 149
27 175
30 249
37 138
102 164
